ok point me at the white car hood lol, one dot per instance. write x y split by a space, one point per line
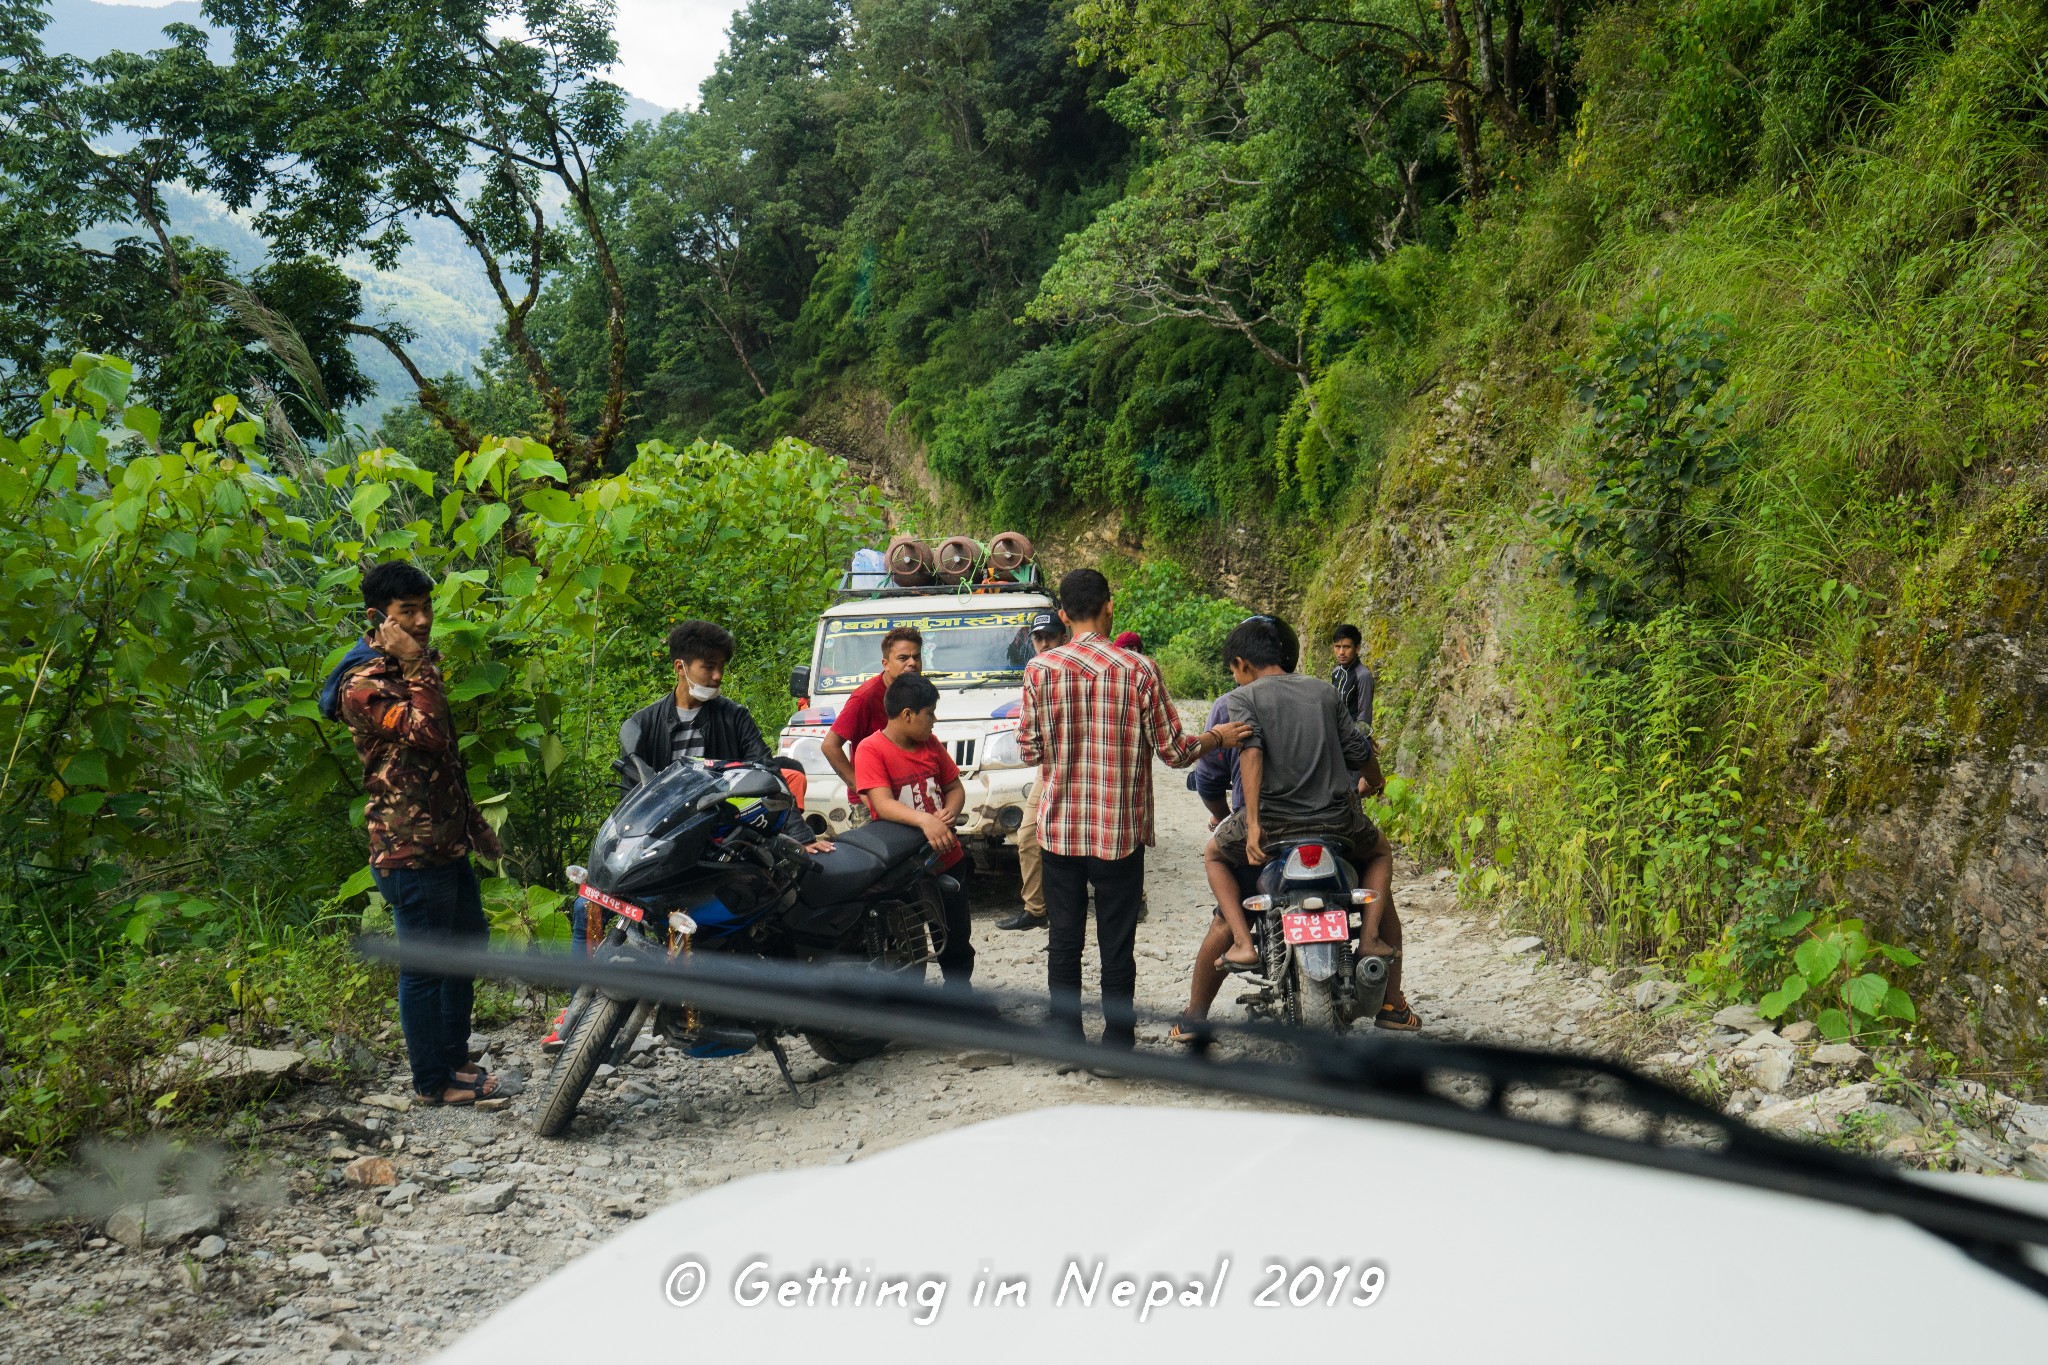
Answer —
1492 1252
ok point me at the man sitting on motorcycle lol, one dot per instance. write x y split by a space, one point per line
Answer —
1299 771
693 720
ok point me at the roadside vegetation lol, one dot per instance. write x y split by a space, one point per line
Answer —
1630 371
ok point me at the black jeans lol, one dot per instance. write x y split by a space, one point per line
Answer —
1119 890
956 964
444 905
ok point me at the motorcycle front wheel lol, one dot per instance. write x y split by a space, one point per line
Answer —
587 1049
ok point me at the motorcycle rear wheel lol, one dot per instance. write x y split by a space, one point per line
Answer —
1312 1004
592 1043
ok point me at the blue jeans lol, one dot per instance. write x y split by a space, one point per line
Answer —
444 905
578 945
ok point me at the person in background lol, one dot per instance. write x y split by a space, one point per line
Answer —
422 823
1047 632
1349 675
1355 683
907 777
1216 780
1091 717
1130 640
863 713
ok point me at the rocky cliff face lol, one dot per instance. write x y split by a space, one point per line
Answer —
1920 787
1943 795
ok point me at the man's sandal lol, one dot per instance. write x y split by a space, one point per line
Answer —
1225 964
1188 1032
483 1089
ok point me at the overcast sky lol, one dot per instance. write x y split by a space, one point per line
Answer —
666 47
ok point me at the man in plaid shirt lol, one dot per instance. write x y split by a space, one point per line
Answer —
1091 718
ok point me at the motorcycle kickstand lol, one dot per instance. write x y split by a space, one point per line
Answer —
782 1062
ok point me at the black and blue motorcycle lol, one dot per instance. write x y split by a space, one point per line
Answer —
699 857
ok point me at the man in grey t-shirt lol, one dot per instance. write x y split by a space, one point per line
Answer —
1300 770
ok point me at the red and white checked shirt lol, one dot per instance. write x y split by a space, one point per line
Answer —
1091 718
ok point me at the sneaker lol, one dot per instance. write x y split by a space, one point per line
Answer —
553 1042
1023 919
1396 1015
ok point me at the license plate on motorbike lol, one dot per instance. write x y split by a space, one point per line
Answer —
614 904
1324 926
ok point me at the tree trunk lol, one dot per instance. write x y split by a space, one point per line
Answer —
1457 69
429 392
1556 17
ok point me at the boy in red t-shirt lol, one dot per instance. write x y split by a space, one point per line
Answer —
907 777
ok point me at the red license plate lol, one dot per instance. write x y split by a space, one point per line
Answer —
619 907
1317 926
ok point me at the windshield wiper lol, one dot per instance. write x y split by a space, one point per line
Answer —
1458 1087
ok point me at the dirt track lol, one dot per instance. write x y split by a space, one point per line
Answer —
392 1284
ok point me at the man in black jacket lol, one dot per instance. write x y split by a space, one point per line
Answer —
694 721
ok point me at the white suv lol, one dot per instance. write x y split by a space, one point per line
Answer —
976 643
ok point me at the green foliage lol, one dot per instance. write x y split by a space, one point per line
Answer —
1658 417
1182 626
173 607
1799 956
86 1046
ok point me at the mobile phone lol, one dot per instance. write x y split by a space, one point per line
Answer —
376 621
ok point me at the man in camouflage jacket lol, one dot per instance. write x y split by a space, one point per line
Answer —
423 825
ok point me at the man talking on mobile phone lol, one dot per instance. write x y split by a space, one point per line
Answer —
423 825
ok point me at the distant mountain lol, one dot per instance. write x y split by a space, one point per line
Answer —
438 289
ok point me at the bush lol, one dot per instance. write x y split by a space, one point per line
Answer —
1183 627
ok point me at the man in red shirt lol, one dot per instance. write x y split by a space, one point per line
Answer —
863 714
907 777
1091 718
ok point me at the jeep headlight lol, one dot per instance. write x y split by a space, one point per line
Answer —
810 753
1000 750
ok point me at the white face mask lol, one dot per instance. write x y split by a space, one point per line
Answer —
699 692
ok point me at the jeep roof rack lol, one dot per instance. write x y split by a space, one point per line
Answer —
1027 580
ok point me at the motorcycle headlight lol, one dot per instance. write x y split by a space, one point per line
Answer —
1000 750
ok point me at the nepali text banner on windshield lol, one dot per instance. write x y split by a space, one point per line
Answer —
961 648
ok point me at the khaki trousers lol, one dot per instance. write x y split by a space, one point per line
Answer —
1029 868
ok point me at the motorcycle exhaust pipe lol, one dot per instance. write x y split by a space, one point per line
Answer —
1369 978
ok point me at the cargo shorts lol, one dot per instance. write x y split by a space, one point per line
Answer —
1358 839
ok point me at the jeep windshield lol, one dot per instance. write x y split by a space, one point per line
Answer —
961 648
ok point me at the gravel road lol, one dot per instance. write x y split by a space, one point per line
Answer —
320 1270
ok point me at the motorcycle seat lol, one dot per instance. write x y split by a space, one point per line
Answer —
858 860
886 840
840 875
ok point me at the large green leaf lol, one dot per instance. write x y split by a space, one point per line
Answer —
1817 959
1866 993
